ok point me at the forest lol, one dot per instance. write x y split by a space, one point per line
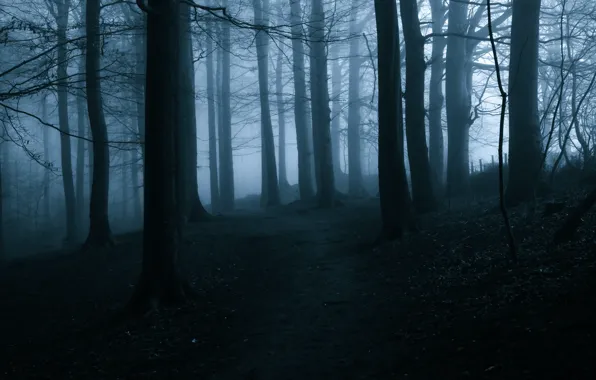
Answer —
293 189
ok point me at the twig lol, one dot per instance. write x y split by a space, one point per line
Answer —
512 245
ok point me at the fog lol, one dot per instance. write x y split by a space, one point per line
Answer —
32 165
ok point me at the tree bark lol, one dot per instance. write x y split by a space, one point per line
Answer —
305 183
160 282
213 175
420 173
281 117
61 15
81 127
191 207
46 157
355 187
457 101
393 185
435 97
99 228
525 152
336 82
320 107
226 160
270 189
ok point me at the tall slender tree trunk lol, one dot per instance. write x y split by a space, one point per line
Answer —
135 168
305 183
420 173
281 117
192 207
139 82
99 228
393 185
46 156
334 52
81 127
270 197
213 175
320 107
435 97
81 116
226 161
62 8
354 150
524 129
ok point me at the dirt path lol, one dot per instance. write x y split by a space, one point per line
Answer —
306 305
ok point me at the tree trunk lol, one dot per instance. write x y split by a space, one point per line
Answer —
160 282
139 84
99 227
457 101
305 183
281 112
81 127
355 187
191 206
435 97
334 52
393 185
226 160
65 149
320 107
213 176
270 197
422 189
524 129
135 168
46 157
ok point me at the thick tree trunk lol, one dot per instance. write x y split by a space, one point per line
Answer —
99 227
435 97
160 282
420 173
65 149
226 160
305 183
213 176
270 190
457 101
524 130
393 185
320 107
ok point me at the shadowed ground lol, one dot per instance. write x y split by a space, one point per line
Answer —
300 293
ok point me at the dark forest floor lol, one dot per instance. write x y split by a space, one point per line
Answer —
299 293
